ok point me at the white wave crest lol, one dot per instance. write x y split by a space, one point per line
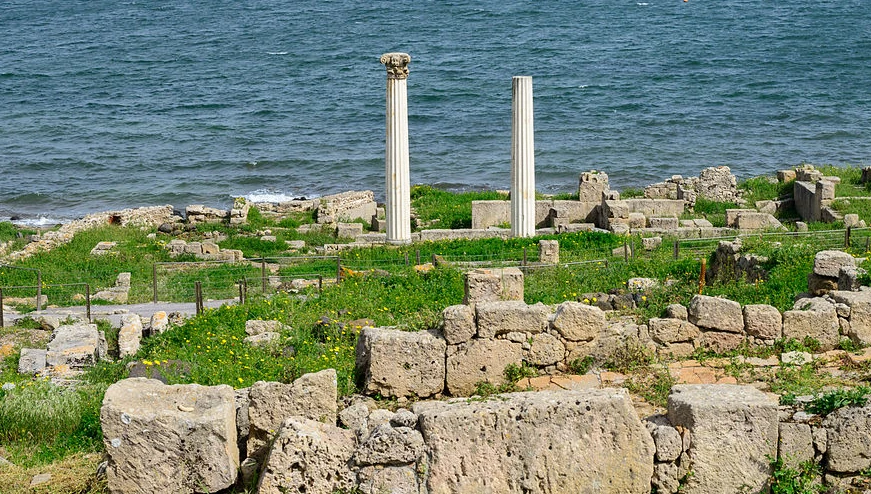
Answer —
276 53
271 195
40 221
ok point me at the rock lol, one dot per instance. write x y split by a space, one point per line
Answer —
828 263
31 361
820 285
849 437
130 335
404 418
814 318
346 206
796 358
390 446
480 360
591 186
39 479
458 324
401 363
308 457
763 321
48 323
548 251
734 433
720 342
349 230
851 220
666 478
393 479
256 326
545 349
355 417
716 313
860 313
159 323
243 425
262 339
717 184
74 346
160 438
487 285
848 278
672 330
497 318
669 444
795 444
677 311
312 396
575 321
651 243
547 441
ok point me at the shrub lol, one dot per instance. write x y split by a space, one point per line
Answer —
800 480
833 400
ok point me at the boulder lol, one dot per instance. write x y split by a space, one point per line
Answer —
547 441
849 439
677 311
312 396
401 363
828 263
669 444
480 360
734 433
308 457
575 321
458 324
763 321
672 330
720 342
159 438
497 318
130 335
262 339
74 346
548 251
716 313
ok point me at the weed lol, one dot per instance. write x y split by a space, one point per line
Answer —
582 365
799 480
514 373
833 400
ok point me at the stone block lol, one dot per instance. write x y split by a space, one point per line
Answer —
31 361
651 243
672 330
795 444
732 216
849 436
349 230
785 175
103 248
264 339
591 186
669 444
677 311
346 206
860 313
548 251
851 220
458 324
720 342
195 248
130 335
159 323
257 326
480 360
814 318
509 316
656 207
637 220
666 223
734 433
569 441
74 346
160 438
312 396
820 285
545 349
309 457
763 321
717 183
828 263
575 321
848 278
401 363
716 313
210 248
395 479
807 204
757 221
388 445
485 285
573 212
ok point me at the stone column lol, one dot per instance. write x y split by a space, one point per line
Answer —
522 159
398 190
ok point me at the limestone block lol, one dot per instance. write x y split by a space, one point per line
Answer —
828 263
785 175
569 441
103 248
74 346
851 220
159 322
210 248
401 363
480 360
195 248
720 342
497 318
672 330
176 246
637 220
312 396
716 313
763 321
807 204
257 326
48 322
387 445
656 207
677 311
860 313
393 479
575 321
485 285
548 251
677 350
346 206
458 324
349 230
813 318
197 213
732 216
848 278
717 184
651 243
820 285
31 361
308 457
795 444
262 339
591 186
849 439
160 438
669 444
545 349
666 478
490 213
825 188
573 212
734 432
757 221
130 335
667 223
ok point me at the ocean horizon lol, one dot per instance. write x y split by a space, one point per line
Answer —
108 105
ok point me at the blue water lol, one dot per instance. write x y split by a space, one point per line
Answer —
108 104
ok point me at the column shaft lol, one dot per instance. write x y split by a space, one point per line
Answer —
522 159
398 179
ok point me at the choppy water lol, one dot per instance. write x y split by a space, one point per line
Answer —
109 104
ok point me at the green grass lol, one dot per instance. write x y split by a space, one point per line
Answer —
452 210
764 188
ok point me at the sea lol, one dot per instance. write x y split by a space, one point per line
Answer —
109 104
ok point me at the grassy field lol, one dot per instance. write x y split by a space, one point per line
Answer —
49 428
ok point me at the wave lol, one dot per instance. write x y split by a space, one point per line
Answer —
272 195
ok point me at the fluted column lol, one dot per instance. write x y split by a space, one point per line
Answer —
522 159
398 189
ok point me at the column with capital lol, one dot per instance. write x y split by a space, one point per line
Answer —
398 184
522 159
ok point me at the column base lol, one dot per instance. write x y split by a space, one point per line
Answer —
399 241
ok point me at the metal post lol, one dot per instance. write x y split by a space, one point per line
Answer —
263 274
338 269
867 244
433 259
154 283
406 258
676 249
241 293
418 258
1 308
320 283
88 300
198 286
847 237
625 250
525 259
38 291
244 288
702 276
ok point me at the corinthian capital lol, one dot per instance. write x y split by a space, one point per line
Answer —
397 65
